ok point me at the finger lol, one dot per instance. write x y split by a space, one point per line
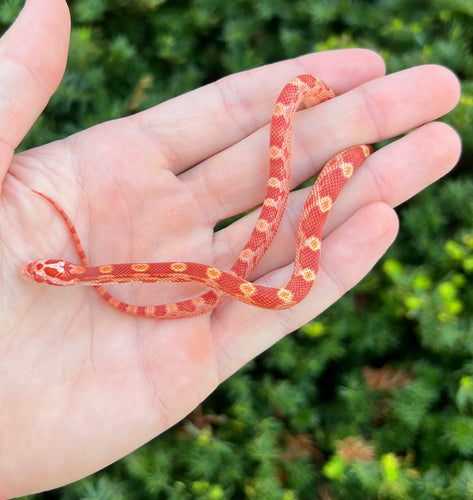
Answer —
235 180
404 167
347 255
33 55
220 114
391 175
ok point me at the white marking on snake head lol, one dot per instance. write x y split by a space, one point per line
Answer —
46 271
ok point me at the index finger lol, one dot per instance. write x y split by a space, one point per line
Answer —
196 125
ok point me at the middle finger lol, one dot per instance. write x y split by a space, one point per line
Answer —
377 110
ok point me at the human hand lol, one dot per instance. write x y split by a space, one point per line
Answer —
77 375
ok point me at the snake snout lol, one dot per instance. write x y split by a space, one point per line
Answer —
34 271
26 272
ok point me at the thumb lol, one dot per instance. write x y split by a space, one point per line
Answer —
33 55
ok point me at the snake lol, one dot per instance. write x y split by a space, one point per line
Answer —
302 91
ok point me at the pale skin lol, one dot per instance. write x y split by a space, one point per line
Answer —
81 384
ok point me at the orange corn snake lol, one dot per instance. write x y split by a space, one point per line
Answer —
304 89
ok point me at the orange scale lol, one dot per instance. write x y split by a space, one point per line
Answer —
278 167
279 124
269 213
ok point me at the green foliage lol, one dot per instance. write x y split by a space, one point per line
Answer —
9 10
374 399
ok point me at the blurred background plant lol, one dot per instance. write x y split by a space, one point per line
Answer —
373 399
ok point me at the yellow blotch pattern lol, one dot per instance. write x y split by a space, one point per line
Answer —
278 109
246 254
131 309
285 295
262 225
149 310
247 289
106 269
198 301
179 267
325 203
308 274
171 309
140 268
313 243
76 269
347 169
213 273
274 152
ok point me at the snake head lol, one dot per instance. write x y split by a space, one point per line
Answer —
52 272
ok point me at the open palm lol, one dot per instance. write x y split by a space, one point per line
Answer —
82 384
